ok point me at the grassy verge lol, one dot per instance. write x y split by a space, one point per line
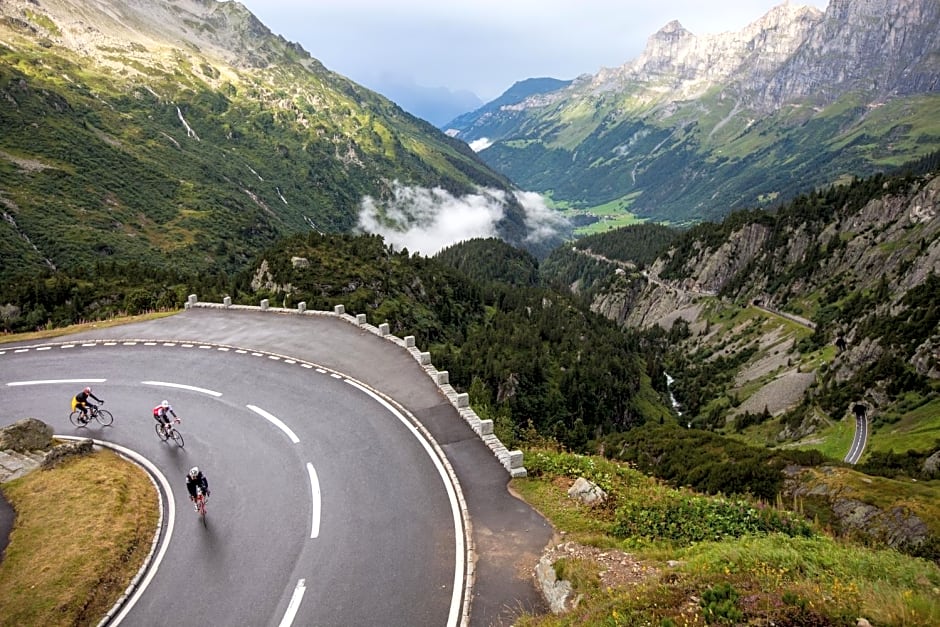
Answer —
709 563
6 338
82 531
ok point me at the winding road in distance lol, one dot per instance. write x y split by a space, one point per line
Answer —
329 506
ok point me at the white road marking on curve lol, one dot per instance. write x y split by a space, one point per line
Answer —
453 619
315 493
274 420
181 386
54 381
294 604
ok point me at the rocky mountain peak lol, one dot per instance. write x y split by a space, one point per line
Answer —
685 64
673 31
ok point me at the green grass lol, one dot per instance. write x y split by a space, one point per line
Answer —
918 429
834 441
613 214
8 338
763 578
82 531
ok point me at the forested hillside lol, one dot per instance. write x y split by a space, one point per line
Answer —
188 137
778 326
533 359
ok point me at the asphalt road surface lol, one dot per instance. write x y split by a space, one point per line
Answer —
328 507
858 441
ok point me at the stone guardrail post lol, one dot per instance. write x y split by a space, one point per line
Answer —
512 461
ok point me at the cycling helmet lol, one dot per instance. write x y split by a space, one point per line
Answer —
194 472
87 390
165 404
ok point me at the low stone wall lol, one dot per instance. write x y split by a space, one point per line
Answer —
511 460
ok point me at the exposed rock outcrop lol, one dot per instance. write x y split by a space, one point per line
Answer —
28 444
28 434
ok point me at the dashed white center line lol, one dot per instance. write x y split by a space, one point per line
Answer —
315 497
54 381
274 420
181 386
294 604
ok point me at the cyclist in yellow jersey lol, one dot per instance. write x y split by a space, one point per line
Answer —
80 402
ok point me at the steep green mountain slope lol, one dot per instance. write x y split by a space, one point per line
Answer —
185 134
697 127
778 327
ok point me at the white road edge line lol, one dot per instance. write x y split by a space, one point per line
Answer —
53 381
315 495
454 619
294 604
274 420
170 522
192 388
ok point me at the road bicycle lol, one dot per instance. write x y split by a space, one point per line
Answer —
168 431
200 504
103 416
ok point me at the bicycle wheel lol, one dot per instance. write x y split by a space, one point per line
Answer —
160 432
76 418
178 437
201 508
104 417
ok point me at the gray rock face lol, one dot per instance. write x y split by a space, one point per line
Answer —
28 434
687 65
897 57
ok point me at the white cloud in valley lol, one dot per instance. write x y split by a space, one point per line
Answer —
543 222
427 220
480 144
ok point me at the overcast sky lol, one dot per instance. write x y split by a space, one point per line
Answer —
484 46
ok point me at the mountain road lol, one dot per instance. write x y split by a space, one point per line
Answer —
328 506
